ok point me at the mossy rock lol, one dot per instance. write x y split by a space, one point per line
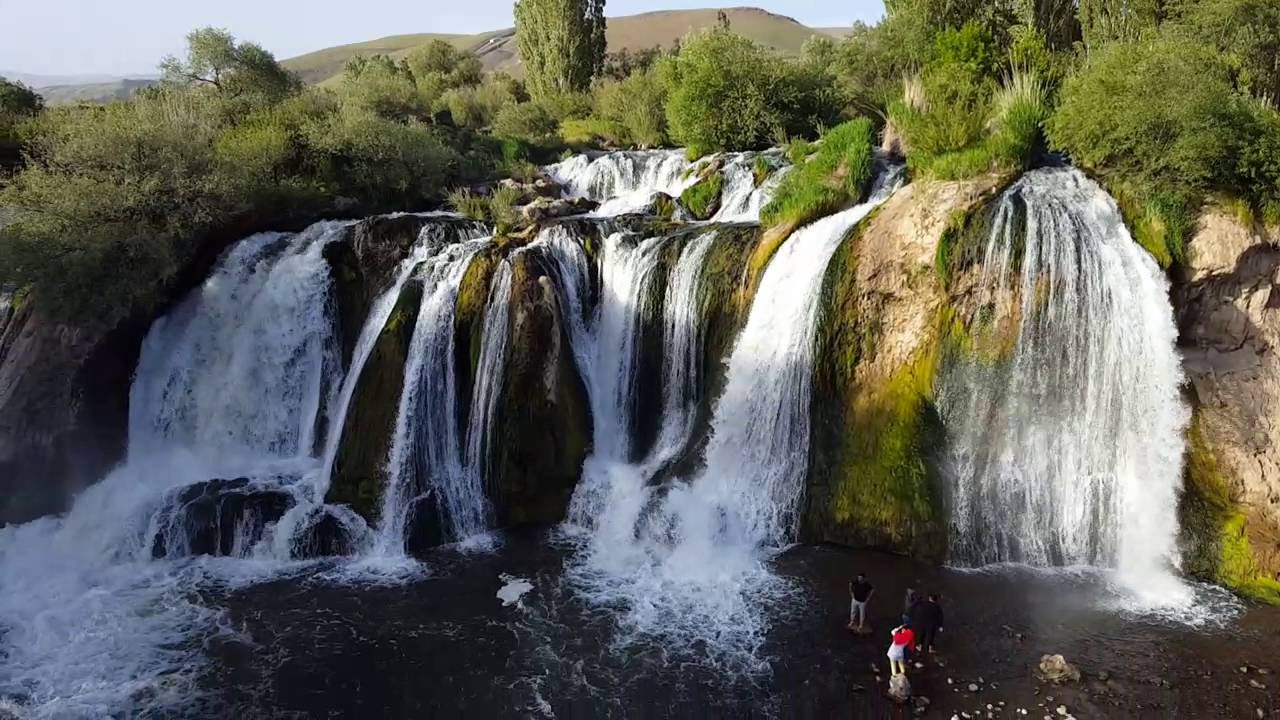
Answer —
702 199
544 417
359 473
468 323
873 476
1215 527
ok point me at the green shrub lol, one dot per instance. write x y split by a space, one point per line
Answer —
383 87
637 106
468 204
798 150
761 169
702 199
1162 119
593 132
502 209
725 92
529 122
835 177
476 107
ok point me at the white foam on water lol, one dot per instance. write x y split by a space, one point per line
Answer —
513 589
689 563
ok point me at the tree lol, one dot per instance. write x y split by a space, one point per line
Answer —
562 43
214 59
1245 32
18 99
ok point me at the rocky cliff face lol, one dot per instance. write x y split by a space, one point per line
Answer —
63 404
1228 307
886 319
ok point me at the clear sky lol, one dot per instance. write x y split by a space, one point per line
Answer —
120 37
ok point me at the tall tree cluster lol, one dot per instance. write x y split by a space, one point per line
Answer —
562 43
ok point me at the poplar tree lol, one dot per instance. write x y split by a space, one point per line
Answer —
562 43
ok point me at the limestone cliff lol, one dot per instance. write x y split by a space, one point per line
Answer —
885 321
1227 303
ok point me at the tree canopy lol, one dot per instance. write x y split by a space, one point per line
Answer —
562 44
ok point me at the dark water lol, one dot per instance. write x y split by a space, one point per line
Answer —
444 646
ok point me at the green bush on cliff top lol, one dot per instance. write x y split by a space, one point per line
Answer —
837 176
702 199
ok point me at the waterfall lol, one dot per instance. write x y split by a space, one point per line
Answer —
494 346
242 371
742 199
426 468
624 182
232 383
685 559
1069 449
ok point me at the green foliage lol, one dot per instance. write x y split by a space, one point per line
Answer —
1216 545
761 169
798 150
528 122
726 92
468 204
593 132
18 104
476 107
239 70
835 177
385 88
1162 120
502 209
442 60
562 43
1246 34
635 106
1108 21
702 199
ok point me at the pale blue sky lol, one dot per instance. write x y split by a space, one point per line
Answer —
119 37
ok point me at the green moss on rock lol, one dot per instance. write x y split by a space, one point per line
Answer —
1215 527
359 470
702 199
544 418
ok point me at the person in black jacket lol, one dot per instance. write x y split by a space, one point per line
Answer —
926 619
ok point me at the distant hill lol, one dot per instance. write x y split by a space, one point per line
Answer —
497 49
98 92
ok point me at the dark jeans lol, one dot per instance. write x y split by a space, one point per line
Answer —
927 636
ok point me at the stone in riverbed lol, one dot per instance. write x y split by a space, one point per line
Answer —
1055 669
544 208
900 687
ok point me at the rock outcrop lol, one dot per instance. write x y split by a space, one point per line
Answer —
886 318
1228 308
544 417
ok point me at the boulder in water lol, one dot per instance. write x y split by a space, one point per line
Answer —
1055 669
544 208
330 532
426 524
217 517
900 687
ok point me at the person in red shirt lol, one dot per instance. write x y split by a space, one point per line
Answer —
903 638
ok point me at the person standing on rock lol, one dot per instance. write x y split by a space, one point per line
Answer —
926 619
860 592
903 638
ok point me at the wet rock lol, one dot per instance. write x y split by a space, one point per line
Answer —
973 687
544 208
1255 684
217 517
900 687
328 534
1055 669
426 524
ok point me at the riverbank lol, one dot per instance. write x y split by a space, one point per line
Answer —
444 645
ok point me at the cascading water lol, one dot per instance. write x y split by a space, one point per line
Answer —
623 181
426 467
743 198
91 625
686 562
494 345
1068 449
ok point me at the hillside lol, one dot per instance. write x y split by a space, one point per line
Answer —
497 49
101 92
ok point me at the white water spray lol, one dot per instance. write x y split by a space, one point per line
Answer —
1069 450
426 457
